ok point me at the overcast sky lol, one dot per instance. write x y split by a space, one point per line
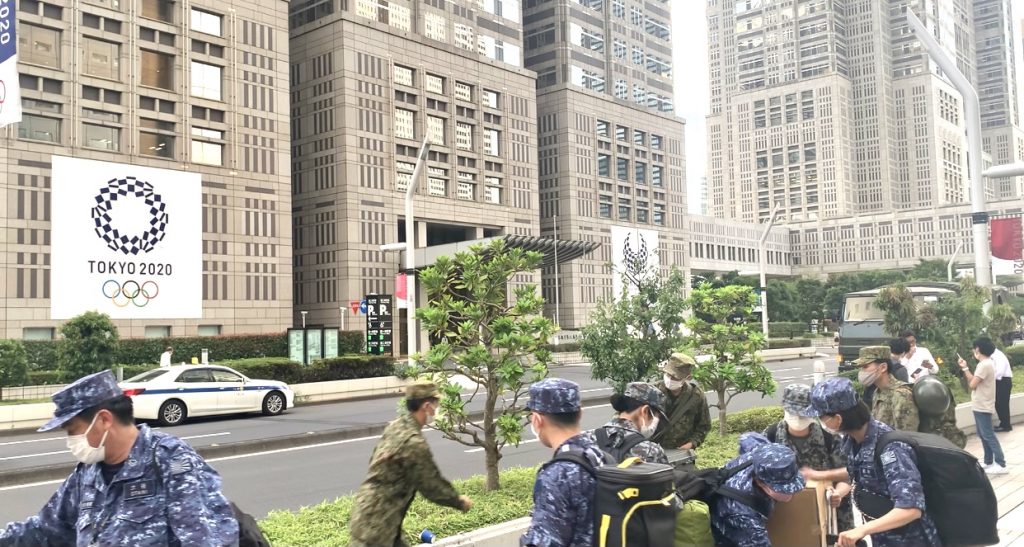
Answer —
691 80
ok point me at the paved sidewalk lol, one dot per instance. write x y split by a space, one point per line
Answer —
1009 488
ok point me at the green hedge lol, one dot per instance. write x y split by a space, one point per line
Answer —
42 354
786 330
781 343
43 377
326 524
351 367
1014 353
752 419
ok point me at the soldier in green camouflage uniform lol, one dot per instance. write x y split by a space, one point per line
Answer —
894 401
689 419
401 465
639 410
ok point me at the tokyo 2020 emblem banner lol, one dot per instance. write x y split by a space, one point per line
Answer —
10 88
126 241
633 246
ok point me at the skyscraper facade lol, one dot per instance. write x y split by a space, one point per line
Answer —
611 148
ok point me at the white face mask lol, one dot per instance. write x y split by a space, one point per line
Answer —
672 383
797 422
83 451
827 428
648 430
867 378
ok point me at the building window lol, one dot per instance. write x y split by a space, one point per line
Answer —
101 137
467 186
403 75
605 207
435 130
434 84
436 27
37 333
619 48
403 176
101 59
604 165
492 192
405 124
206 22
625 209
437 185
622 133
492 142
206 80
640 169
156 138
463 91
638 56
38 45
656 176
622 169
656 142
157 331
491 98
464 37
39 128
157 70
639 138
161 10
209 330
659 214
602 128
205 152
621 90
463 136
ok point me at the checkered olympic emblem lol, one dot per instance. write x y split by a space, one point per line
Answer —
130 244
121 294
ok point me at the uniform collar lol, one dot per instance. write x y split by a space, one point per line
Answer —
623 423
140 456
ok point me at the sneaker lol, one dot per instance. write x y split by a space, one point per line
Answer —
985 466
996 469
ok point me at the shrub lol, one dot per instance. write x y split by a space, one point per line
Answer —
1016 355
752 419
568 347
275 368
786 329
42 354
351 341
138 351
88 345
43 377
782 343
13 364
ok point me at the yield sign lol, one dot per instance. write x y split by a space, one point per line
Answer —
354 304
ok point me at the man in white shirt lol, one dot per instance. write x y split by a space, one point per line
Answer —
165 357
918 360
1004 384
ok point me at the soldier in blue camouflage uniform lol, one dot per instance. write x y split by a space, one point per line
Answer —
897 479
751 440
640 411
772 476
132 487
563 495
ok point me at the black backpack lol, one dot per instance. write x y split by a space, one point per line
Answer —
633 500
619 453
956 490
707 484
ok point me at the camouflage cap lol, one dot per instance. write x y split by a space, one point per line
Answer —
422 389
646 394
797 399
82 394
871 354
554 396
775 465
751 440
679 365
832 396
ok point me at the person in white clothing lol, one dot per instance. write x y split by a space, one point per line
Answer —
918 360
165 357
1004 384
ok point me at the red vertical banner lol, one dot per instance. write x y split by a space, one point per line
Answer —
1007 242
401 290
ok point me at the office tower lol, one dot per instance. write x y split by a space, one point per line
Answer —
997 88
610 151
832 108
195 88
372 78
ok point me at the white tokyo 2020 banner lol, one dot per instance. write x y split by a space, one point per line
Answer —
636 246
126 241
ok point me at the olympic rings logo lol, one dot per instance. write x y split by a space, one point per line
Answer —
130 292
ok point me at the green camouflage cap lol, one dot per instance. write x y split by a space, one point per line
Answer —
679 365
422 389
871 354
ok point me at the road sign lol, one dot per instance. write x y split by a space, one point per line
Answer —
378 324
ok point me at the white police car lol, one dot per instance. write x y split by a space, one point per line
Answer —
171 394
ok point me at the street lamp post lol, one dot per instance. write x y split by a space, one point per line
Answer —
557 281
949 265
972 116
764 266
303 318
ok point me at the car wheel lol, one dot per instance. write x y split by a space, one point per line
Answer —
172 412
273 403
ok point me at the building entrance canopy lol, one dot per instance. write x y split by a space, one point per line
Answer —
567 249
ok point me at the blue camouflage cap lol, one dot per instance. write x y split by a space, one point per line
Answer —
832 396
645 393
554 396
751 440
84 393
775 465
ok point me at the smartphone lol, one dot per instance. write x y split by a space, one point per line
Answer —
958 357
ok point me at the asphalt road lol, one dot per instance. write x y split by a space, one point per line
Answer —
296 477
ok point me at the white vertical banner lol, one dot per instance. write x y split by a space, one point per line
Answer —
10 87
126 241
631 244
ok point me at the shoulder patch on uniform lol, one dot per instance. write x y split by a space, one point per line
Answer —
180 465
888 457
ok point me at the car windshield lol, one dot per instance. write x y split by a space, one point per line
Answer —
147 376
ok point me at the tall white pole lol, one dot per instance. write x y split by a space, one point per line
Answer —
342 311
949 265
764 267
972 116
412 333
557 280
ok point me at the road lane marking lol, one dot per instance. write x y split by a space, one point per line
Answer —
786 369
205 436
9 443
30 485
40 454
